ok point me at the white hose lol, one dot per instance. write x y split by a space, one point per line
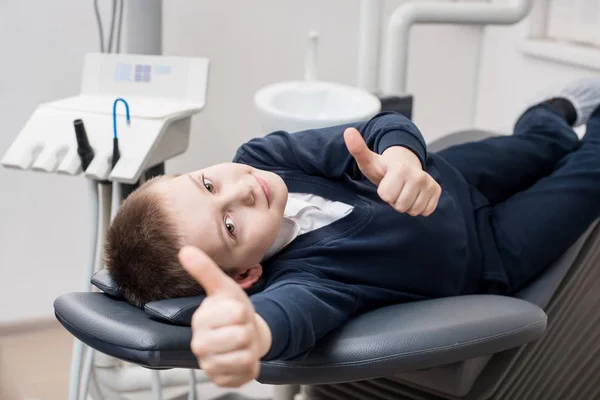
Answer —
87 373
95 393
105 209
116 200
156 385
131 378
76 359
192 393
104 219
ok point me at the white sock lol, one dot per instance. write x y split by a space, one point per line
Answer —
584 94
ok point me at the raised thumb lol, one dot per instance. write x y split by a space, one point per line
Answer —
367 160
204 270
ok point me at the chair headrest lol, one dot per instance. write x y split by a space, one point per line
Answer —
177 311
103 281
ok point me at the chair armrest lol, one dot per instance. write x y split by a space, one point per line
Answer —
413 336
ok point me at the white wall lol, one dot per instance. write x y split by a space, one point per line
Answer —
250 43
42 217
510 80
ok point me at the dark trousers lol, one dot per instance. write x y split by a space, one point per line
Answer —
543 185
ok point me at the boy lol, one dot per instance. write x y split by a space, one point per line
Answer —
346 219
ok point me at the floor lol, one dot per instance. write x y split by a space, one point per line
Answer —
34 365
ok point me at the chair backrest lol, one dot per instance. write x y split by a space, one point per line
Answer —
542 289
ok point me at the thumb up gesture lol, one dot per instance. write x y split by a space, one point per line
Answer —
398 175
228 338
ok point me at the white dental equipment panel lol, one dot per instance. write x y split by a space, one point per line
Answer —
162 93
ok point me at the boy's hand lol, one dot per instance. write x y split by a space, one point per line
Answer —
228 338
398 175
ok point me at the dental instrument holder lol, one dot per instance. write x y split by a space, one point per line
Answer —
162 92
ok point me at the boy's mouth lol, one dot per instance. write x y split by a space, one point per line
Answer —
265 187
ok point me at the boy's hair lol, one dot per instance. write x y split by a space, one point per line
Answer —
142 246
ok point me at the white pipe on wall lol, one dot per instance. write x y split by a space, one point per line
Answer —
369 42
411 13
144 27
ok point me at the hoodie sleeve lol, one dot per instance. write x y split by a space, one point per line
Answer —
323 152
299 309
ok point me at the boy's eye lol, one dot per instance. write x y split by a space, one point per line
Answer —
208 185
230 226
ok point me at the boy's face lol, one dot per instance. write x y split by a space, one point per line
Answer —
231 211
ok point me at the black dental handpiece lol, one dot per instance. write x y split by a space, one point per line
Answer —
84 149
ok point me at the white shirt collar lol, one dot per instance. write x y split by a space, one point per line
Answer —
303 213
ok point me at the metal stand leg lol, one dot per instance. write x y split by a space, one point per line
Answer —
285 392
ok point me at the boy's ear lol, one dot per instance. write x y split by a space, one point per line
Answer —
247 277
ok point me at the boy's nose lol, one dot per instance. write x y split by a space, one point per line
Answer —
248 195
242 194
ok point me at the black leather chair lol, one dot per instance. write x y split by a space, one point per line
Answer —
541 344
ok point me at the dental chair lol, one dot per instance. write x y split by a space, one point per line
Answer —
541 344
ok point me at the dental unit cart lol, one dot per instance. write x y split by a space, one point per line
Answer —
159 95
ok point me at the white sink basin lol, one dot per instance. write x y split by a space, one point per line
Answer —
297 106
